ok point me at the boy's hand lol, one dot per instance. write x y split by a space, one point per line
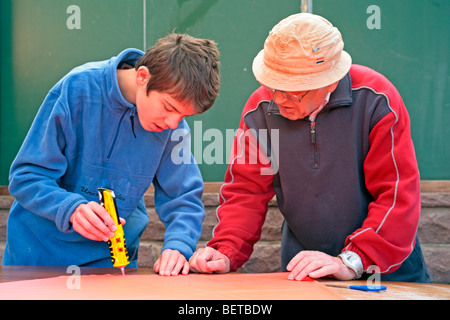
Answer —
92 221
170 263
209 260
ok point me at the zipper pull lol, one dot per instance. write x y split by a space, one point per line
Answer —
313 132
133 112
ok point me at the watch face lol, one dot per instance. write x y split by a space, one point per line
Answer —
353 261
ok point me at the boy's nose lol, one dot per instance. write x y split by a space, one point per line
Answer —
173 121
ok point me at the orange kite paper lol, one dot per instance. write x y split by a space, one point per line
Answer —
260 286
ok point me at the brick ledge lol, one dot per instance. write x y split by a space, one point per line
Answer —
426 186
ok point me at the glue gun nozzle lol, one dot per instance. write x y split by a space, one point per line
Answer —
123 271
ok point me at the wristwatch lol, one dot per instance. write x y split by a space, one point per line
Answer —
352 261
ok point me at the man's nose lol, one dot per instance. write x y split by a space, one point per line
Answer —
279 98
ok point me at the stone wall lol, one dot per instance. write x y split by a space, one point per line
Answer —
434 234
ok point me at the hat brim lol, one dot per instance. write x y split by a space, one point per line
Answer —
291 82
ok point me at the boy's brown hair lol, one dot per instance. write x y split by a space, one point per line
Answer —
186 68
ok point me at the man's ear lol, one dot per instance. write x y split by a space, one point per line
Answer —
142 76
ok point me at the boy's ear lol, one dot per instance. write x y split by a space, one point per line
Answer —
142 75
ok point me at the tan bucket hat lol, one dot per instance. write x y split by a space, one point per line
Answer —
302 52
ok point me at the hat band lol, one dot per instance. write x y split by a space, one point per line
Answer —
320 64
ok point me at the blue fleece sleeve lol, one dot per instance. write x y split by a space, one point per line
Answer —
40 163
178 194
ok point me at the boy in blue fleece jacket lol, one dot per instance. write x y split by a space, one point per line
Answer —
110 124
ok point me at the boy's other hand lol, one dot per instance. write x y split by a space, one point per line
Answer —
92 221
209 260
171 263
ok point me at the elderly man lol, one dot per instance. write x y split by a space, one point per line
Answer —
345 173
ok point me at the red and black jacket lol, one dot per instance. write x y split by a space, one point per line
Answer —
347 181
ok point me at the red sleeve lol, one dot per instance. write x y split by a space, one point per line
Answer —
388 234
244 196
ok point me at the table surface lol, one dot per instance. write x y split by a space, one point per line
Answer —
395 290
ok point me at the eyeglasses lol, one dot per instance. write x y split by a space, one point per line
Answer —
289 96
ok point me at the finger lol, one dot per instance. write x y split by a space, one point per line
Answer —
173 266
164 261
178 266
218 266
107 221
156 265
297 271
98 227
89 235
300 275
193 263
91 217
78 227
202 261
162 265
323 272
185 270
308 268
295 260
84 227
296 265
92 236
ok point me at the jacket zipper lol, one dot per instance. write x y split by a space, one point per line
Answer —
132 114
313 142
113 144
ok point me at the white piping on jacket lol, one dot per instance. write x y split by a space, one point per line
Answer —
396 182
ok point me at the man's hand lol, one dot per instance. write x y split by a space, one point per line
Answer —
170 263
209 260
317 264
92 221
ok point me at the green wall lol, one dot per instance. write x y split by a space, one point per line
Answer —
37 49
412 50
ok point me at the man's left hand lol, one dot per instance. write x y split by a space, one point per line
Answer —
316 264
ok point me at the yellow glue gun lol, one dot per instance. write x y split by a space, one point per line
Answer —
117 245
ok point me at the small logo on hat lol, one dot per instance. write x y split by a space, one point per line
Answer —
320 60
